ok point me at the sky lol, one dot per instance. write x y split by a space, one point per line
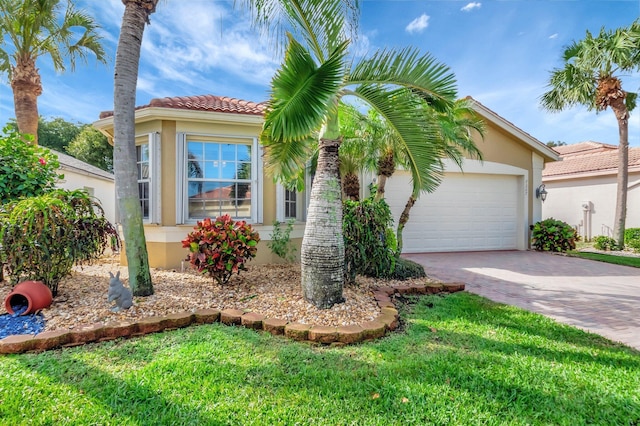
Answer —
501 52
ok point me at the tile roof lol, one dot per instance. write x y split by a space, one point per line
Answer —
203 103
589 158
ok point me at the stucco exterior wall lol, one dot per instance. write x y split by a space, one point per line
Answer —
102 189
505 149
589 203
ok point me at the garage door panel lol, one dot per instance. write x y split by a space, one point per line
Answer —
467 212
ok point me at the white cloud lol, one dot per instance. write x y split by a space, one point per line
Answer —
418 25
190 51
552 36
470 6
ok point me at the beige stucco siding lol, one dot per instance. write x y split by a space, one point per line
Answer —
168 172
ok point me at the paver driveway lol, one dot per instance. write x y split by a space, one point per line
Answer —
595 296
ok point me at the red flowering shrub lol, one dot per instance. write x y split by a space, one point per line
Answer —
221 247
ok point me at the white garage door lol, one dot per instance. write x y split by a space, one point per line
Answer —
467 212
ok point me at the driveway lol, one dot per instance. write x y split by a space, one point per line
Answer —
595 296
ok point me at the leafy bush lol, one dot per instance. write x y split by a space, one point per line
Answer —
406 269
632 238
43 237
26 170
369 243
221 247
602 242
280 243
554 235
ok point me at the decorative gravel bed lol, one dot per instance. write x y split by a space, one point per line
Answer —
270 290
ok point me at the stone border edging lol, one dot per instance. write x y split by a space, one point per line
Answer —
388 320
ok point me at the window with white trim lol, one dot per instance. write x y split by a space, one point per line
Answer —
219 175
290 204
144 182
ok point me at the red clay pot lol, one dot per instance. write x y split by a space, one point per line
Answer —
35 293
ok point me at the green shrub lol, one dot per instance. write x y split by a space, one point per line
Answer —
221 247
632 238
280 243
406 269
26 170
43 237
602 242
554 235
369 243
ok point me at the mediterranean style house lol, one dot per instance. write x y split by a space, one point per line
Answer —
582 188
200 156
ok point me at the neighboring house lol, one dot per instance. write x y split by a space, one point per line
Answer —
200 156
582 188
97 182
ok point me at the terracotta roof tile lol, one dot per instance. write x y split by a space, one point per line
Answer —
203 103
583 147
586 157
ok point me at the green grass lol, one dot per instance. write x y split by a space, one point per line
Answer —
609 258
461 360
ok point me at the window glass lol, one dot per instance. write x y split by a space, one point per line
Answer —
142 156
217 181
290 204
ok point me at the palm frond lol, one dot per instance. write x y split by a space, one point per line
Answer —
302 93
455 128
431 80
418 138
569 86
323 25
286 161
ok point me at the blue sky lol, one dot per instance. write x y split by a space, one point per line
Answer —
500 51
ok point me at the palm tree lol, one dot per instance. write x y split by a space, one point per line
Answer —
317 73
136 16
592 77
359 148
31 29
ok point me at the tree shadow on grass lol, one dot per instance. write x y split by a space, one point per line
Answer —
118 397
216 374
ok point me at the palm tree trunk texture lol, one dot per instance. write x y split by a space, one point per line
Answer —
124 152
404 218
26 86
382 182
622 115
322 252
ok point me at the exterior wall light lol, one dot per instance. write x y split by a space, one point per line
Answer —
541 192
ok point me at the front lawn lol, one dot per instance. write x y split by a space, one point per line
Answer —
461 359
609 258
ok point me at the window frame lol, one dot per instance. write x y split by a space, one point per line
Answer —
153 141
182 180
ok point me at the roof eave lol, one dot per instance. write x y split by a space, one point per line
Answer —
161 113
588 174
546 152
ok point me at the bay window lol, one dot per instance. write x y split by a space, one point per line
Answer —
219 176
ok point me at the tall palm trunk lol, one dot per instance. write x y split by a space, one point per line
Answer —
322 253
404 218
26 86
609 93
124 151
622 115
